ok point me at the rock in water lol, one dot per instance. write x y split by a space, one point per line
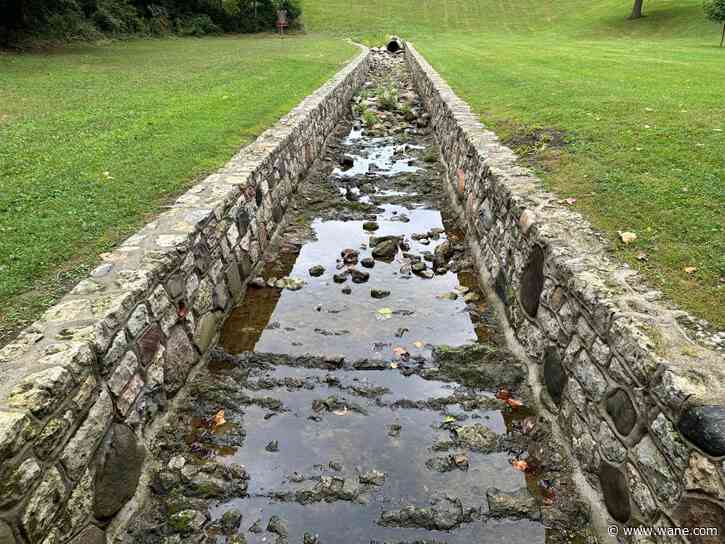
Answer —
379 293
370 226
317 270
514 504
359 276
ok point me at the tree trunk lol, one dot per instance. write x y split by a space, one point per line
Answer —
722 39
637 9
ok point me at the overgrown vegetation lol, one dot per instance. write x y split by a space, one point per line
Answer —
27 21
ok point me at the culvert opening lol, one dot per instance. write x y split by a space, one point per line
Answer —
364 384
394 45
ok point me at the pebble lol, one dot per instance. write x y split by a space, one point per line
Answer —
379 293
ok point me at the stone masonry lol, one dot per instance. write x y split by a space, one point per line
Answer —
639 398
81 387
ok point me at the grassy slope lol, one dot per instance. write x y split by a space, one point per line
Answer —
152 114
641 103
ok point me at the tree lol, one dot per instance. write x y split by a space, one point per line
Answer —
637 9
715 11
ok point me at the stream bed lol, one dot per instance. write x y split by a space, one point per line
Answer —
362 391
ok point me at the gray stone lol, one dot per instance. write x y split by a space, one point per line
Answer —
14 484
204 297
118 473
704 426
206 329
82 445
42 392
16 429
6 533
669 440
379 293
79 504
641 495
512 504
43 505
138 320
187 521
655 470
180 357
616 492
53 435
620 408
590 377
532 282
554 375
612 449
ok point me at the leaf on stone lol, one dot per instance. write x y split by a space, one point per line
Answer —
626 237
218 420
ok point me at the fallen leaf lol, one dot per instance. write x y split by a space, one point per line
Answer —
418 344
690 270
627 237
218 420
449 419
503 394
520 465
514 403
384 313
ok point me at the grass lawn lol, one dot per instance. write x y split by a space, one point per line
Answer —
640 104
95 139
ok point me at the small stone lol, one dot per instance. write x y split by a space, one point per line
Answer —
359 276
379 293
6 533
370 226
256 527
349 256
187 521
515 504
230 522
347 290
278 526
317 271
477 437
89 535
273 446
372 477
310 539
340 277
368 262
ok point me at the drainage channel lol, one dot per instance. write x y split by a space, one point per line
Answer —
362 392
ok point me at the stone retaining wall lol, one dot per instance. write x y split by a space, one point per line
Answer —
81 387
641 403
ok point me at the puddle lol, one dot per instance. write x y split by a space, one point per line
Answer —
335 391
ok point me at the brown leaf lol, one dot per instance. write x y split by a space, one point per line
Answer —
690 270
520 465
218 420
503 394
627 237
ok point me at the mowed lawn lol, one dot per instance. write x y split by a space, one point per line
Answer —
640 105
95 139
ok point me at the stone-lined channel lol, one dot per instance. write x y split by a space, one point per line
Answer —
363 392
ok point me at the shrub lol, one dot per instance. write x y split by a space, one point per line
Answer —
715 11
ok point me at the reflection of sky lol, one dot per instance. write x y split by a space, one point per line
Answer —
322 305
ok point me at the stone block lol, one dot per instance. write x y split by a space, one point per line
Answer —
17 481
119 469
43 392
83 444
16 430
180 357
43 505
666 486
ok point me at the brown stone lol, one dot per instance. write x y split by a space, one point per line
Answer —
695 512
616 492
149 343
90 535
119 470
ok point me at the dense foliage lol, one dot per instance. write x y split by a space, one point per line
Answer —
83 19
715 11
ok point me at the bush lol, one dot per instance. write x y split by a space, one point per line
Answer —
196 25
715 11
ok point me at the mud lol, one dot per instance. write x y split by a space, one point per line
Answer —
362 392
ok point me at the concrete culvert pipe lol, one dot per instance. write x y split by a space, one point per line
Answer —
395 44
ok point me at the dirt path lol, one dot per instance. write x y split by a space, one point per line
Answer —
337 411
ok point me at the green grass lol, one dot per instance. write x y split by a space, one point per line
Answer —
95 139
640 104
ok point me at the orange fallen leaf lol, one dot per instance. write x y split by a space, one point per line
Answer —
503 394
514 403
520 465
218 420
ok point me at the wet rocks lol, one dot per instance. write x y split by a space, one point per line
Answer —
340 277
379 293
347 290
349 256
230 522
272 447
444 515
277 526
187 521
359 276
310 539
329 489
368 262
372 477
316 271
385 248
513 504
447 463
476 437
370 226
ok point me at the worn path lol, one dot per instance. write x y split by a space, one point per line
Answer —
363 393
